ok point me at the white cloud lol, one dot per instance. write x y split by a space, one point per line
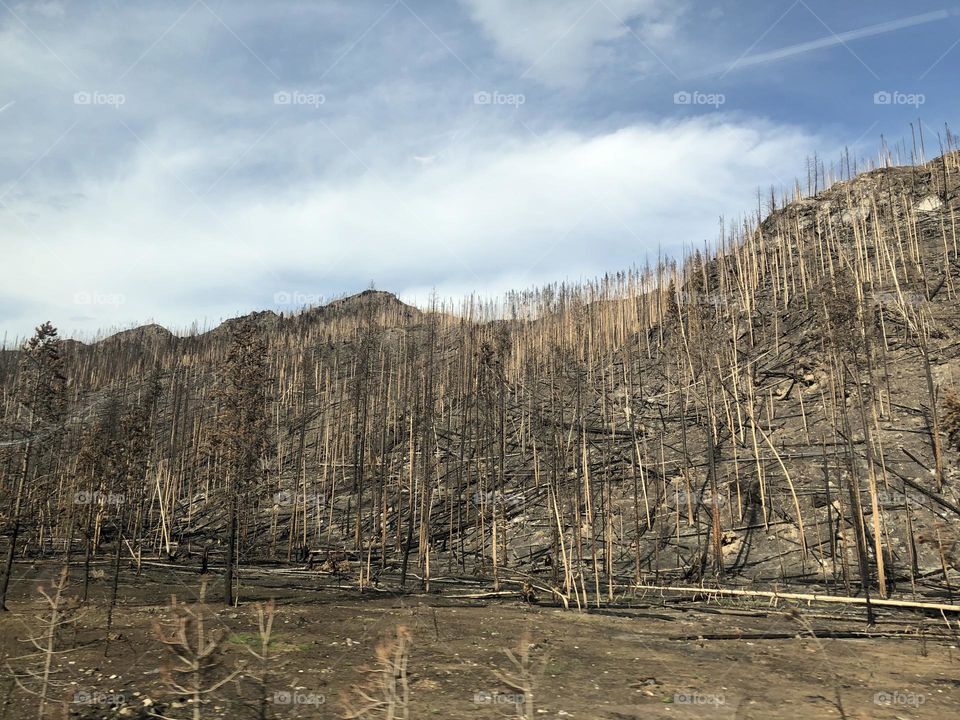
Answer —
560 41
230 198
476 219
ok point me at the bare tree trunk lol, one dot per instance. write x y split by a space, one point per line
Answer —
228 598
15 530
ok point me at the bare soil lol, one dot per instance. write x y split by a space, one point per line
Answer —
640 657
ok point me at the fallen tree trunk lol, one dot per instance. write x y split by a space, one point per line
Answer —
942 607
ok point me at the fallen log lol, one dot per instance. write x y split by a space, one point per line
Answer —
485 595
771 595
818 633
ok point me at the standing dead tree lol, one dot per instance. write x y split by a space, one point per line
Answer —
98 465
242 431
130 482
951 419
850 342
40 395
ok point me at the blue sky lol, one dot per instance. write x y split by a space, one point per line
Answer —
197 159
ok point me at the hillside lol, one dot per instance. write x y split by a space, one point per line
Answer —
773 415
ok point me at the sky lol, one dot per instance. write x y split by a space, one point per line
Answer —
184 161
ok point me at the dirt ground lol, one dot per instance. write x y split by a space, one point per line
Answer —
645 657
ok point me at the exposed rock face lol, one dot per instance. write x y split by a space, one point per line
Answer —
930 203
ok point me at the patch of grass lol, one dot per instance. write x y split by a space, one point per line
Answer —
277 644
